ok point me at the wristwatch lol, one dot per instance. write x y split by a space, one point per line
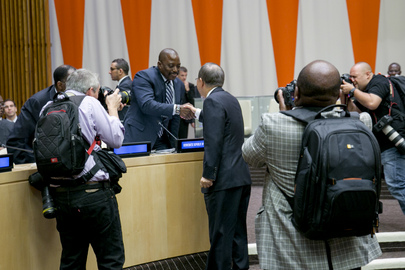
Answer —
177 111
351 92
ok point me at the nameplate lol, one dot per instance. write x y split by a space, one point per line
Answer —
135 149
6 162
190 145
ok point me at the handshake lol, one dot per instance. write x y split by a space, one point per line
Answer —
187 111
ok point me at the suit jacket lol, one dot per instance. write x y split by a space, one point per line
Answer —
125 85
5 128
223 138
148 107
23 131
183 127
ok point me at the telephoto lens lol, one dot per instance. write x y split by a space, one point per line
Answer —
384 125
48 207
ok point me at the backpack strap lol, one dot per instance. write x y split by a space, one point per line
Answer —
308 114
90 174
303 114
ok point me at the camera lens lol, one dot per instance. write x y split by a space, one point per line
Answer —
125 97
396 139
48 207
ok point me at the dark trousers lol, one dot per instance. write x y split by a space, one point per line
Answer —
183 129
89 217
162 142
227 211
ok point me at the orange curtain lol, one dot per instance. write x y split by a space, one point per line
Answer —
70 17
137 17
364 18
208 24
283 18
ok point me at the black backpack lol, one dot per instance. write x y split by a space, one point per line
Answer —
338 178
59 148
399 84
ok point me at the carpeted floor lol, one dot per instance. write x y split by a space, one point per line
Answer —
392 219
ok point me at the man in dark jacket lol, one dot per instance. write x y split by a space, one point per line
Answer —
23 133
225 181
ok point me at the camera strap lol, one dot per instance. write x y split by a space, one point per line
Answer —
390 105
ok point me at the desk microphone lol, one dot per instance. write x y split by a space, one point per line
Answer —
16 148
167 130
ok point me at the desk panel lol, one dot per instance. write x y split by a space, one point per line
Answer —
162 213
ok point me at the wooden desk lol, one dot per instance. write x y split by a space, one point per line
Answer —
162 213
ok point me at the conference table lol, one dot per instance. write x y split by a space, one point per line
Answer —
161 206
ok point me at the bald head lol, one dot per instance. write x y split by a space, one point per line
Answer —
363 67
169 63
318 84
168 52
361 74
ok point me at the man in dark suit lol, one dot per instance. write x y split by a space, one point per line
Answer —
119 72
1 107
156 95
5 128
23 131
226 179
190 94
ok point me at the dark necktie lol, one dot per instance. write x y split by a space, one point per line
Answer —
169 93
169 100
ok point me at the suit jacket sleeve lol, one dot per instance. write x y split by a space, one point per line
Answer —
22 134
149 91
214 128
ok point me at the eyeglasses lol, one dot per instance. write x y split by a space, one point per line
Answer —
112 69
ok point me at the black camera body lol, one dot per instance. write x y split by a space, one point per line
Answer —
346 77
288 93
384 125
125 96
48 208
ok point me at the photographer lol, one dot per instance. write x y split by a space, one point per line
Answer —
88 213
372 94
276 145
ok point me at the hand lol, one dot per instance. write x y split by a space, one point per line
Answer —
206 183
121 107
113 102
187 111
281 103
346 87
186 86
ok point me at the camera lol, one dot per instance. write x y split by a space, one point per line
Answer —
48 208
346 77
125 96
288 93
384 125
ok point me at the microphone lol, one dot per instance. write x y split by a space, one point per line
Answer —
16 148
167 130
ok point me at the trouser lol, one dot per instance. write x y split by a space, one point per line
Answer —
394 174
89 217
227 210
